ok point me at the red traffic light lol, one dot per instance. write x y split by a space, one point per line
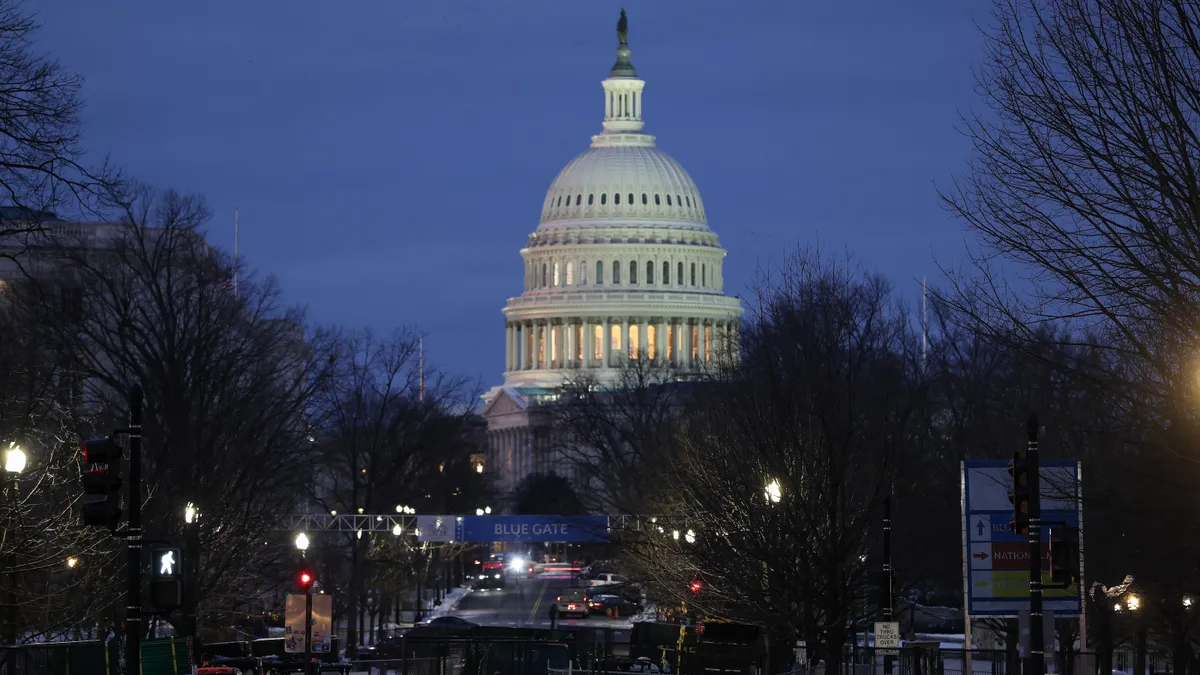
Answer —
101 451
306 580
696 586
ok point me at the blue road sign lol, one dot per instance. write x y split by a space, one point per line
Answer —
576 529
996 559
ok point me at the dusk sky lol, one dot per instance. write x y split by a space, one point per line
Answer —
389 159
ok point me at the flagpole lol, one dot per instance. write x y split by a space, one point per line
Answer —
421 366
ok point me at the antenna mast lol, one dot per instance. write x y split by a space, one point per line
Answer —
924 327
235 252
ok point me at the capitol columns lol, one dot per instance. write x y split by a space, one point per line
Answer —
660 339
607 340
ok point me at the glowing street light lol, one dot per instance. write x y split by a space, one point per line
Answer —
72 562
479 468
1188 601
190 513
1133 602
397 530
479 512
14 458
302 541
774 491
487 509
690 537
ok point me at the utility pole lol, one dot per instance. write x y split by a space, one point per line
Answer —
1036 662
888 603
133 538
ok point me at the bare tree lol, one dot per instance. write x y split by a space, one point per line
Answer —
615 436
228 381
785 458
1085 177
392 436
41 158
55 572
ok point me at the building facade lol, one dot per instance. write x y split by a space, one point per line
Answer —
622 267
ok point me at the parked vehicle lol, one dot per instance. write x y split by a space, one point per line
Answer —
572 602
607 579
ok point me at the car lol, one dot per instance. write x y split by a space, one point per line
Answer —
445 624
612 605
572 602
607 579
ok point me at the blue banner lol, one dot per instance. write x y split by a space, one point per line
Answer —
576 529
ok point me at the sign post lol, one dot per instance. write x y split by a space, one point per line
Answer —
887 638
997 561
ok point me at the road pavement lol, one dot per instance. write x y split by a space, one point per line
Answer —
524 603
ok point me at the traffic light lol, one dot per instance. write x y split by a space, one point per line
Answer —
306 580
166 577
1018 494
1064 555
696 586
102 483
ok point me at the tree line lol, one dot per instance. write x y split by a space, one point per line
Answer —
253 410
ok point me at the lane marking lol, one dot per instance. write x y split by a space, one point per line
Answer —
537 603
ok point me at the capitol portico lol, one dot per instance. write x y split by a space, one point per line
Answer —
621 267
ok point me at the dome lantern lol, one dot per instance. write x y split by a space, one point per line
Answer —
622 97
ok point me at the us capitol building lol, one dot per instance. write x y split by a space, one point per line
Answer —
622 266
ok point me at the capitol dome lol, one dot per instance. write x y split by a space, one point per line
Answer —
622 265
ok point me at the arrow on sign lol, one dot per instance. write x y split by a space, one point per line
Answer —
979 526
981 555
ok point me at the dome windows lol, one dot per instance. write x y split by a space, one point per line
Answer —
693 274
570 273
679 276
678 201
657 200
578 199
603 198
543 275
644 200
666 277
668 200
650 272
616 272
617 198
632 272
630 202
599 273
590 197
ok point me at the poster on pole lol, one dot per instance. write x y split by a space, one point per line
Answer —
322 624
996 559
293 624
437 529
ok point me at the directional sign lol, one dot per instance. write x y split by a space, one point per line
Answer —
532 528
887 635
436 528
996 559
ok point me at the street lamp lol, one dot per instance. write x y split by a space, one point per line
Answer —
774 491
14 458
72 562
690 537
397 530
302 542
1133 602
479 512
190 513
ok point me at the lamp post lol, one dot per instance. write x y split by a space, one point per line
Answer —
191 524
14 463
302 546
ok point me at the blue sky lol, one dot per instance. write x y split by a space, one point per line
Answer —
390 158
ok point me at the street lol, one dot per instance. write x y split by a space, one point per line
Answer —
525 602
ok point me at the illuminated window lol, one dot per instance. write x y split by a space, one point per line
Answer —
679 276
540 358
616 272
570 273
633 341
597 342
693 274
599 272
657 202
708 343
668 200
671 341
554 266
553 344
616 338
579 342
632 272
583 273
617 198
603 198
649 272
543 274
666 278
651 334
590 197
643 199
630 198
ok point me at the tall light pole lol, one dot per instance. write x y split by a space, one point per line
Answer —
306 583
14 464
191 524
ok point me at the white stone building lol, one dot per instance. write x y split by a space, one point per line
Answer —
621 266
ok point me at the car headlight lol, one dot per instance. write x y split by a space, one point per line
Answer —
496 575
517 564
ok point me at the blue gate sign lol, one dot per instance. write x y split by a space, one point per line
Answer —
575 529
